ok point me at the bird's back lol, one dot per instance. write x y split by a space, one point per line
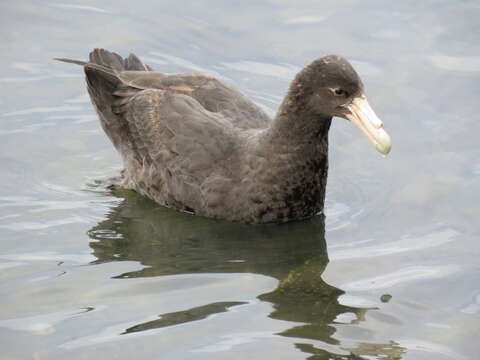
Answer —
179 134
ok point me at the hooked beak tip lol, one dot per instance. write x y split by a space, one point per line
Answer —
384 145
362 115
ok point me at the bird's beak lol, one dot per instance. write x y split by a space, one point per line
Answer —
361 114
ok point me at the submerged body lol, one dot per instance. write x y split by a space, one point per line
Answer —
193 143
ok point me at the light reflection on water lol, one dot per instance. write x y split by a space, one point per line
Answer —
168 243
90 274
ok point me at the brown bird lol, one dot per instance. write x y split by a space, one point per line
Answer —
190 142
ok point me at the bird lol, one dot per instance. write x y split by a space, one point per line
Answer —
193 143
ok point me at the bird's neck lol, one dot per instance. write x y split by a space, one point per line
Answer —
296 122
296 125
296 147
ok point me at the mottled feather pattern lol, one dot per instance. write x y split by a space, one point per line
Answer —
191 142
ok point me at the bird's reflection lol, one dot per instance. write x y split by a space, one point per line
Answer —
168 242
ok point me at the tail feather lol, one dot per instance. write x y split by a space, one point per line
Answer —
105 88
107 59
116 62
134 63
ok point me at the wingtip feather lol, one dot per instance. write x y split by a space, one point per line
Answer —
71 61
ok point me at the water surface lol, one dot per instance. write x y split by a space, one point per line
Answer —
391 271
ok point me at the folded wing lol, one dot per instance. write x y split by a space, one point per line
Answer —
176 133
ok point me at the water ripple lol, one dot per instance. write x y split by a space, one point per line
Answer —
413 273
49 256
409 243
282 71
456 63
473 307
79 7
170 59
424 346
44 110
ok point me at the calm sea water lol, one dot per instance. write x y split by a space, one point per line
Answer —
391 272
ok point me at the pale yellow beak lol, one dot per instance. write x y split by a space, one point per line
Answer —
361 114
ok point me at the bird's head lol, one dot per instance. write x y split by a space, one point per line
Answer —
333 88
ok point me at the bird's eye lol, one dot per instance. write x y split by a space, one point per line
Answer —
340 92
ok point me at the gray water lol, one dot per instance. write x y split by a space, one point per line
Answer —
391 272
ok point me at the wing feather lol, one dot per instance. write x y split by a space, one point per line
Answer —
212 94
179 134
183 146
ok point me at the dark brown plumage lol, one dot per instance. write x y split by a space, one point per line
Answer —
193 143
